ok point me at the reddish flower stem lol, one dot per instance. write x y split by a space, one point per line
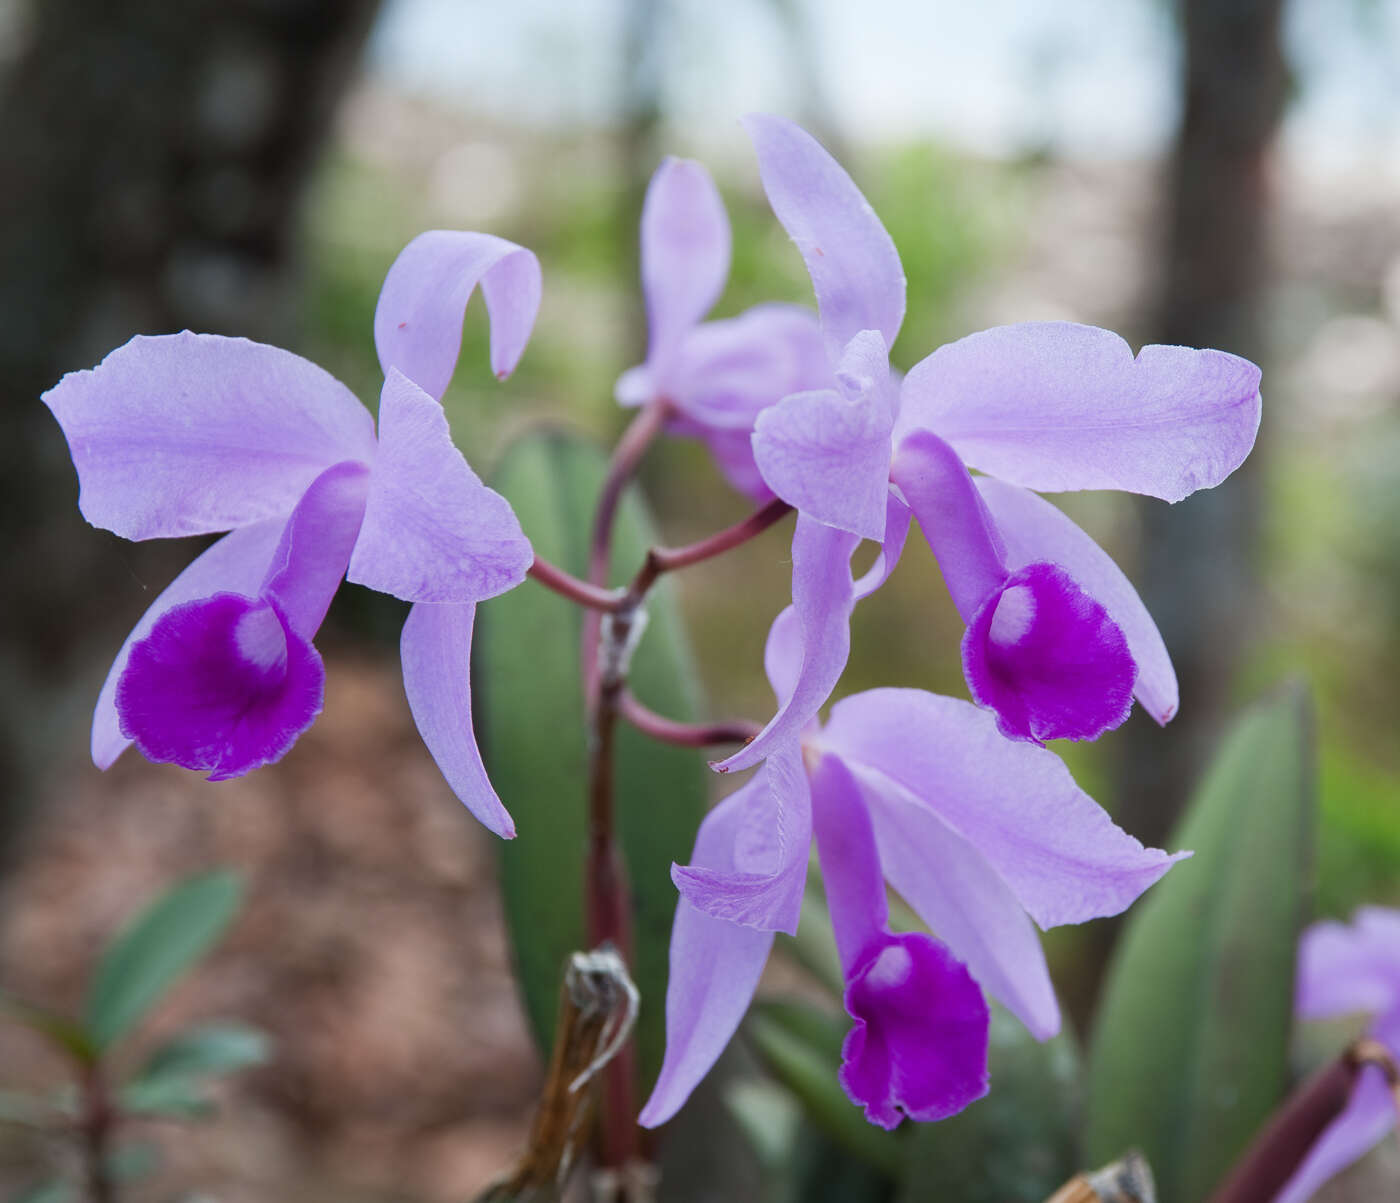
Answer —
1277 1152
95 1129
661 560
630 449
683 735
551 576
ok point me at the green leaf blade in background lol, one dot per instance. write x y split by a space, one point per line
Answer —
155 949
529 714
1190 1053
801 1047
1016 1145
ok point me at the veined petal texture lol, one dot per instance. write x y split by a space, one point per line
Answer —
853 263
823 597
418 321
436 650
1055 406
772 842
432 531
827 453
715 967
954 889
187 434
1016 804
685 254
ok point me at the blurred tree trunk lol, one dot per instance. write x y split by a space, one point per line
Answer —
156 155
1199 573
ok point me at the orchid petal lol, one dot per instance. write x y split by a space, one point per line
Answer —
853 263
418 321
685 253
436 650
1347 968
772 842
855 889
715 967
823 596
918 1047
185 434
237 563
432 531
1064 859
221 683
897 519
827 453
315 547
725 373
963 899
1368 1118
957 525
1048 659
1054 406
1035 530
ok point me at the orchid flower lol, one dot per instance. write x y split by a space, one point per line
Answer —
716 376
1057 641
190 434
981 836
1342 970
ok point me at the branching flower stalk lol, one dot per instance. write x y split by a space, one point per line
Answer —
957 805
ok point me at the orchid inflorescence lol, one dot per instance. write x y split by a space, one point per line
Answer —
957 805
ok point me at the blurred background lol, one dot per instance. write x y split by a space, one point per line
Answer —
1218 173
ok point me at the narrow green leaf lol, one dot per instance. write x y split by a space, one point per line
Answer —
802 1048
769 1117
170 1097
55 1190
59 1030
1190 1054
154 950
216 1048
531 725
1017 1145
132 1161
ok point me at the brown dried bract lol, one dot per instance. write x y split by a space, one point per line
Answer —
597 1010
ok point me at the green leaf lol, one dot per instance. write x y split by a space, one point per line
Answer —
1190 1054
531 725
1017 1145
216 1048
802 1048
59 1030
132 1161
55 1190
154 950
769 1118
167 1097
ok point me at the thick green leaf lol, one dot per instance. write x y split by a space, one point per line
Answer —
216 1048
530 721
154 950
1017 1145
1190 1054
802 1048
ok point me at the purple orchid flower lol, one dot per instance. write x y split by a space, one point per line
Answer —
191 434
979 834
1344 970
1058 642
716 376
